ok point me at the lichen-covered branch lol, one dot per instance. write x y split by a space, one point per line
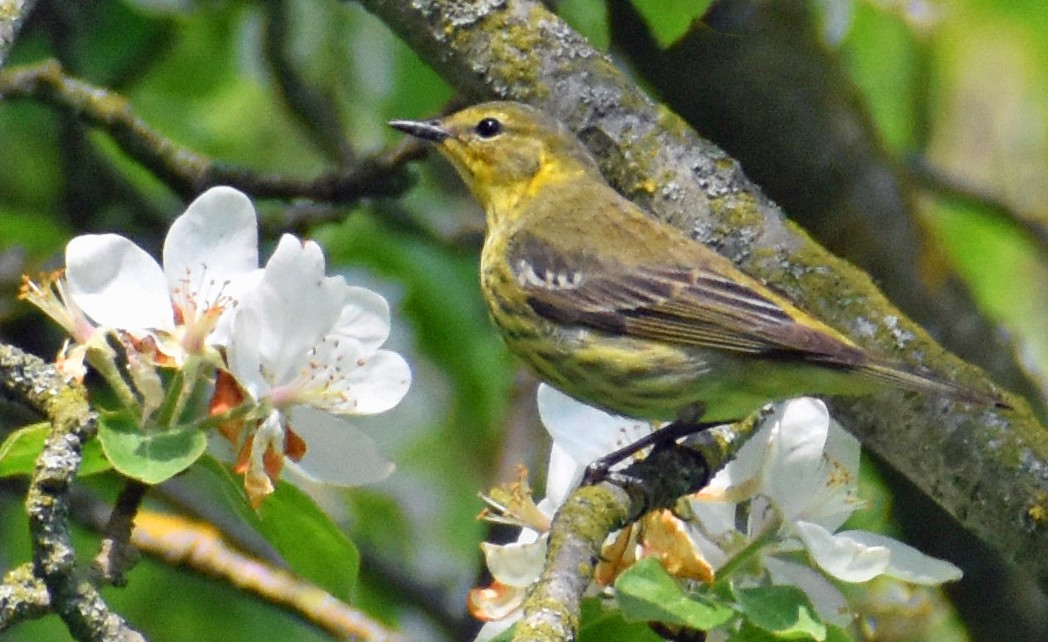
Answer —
23 596
75 599
187 172
582 524
985 466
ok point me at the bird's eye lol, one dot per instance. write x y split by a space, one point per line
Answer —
488 128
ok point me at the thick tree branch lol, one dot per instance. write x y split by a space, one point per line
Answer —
74 598
189 172
985 466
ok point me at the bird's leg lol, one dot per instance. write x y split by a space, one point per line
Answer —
665 436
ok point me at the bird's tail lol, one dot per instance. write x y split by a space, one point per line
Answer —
893 375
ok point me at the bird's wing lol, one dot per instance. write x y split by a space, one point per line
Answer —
704 306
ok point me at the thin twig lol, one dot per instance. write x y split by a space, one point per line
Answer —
313 112
189 172
116 555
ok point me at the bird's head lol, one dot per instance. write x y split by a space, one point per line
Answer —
504 150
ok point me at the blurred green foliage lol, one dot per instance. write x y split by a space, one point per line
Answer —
965 91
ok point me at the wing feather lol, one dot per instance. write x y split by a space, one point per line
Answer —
688 305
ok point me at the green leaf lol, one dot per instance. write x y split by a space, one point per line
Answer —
784 611
309 541
150 457
601 623
311 544
588 17
646 592
19 451
669 20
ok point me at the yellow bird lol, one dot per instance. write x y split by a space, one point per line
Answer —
622 311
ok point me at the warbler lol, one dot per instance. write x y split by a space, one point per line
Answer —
625 312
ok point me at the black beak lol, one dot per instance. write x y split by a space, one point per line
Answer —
430 130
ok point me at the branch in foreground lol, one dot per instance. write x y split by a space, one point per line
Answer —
580 527
200 546
986 467
76 600
186 171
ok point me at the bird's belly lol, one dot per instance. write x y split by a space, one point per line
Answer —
658 381
621 375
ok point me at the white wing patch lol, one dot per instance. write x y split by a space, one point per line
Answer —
527 275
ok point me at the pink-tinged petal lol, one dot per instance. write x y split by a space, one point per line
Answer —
117 284
337 453
213 242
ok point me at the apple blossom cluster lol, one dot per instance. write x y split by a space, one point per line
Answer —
770 517
283 352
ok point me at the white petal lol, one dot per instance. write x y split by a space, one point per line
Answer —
370 384
222 333
297 304
843 448
495 628
907 563
214 241
564 475
795 471
117 283
584 432
243 355
364 317
515 564
829 603
836 497
739 479
337 452
842 556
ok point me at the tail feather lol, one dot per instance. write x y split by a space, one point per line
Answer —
893 375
